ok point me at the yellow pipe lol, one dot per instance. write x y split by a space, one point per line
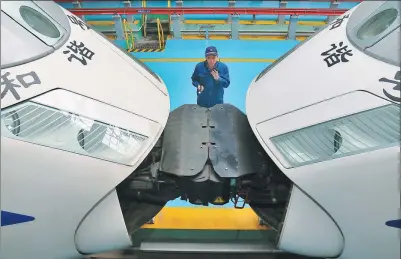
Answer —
260 22
132 39
126 28
144 18
125 32
241 37
161 28
162 34
169 16
101 23
158 32
105 23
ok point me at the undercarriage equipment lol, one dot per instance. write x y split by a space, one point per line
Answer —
207 155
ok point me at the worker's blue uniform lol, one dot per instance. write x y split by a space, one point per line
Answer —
213 92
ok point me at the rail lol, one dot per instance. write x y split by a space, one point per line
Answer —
160 33
129 39
204 10
126 33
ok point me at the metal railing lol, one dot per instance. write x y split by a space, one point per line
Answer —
206 10
130 40
176 15
160 33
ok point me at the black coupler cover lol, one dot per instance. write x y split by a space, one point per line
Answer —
221 134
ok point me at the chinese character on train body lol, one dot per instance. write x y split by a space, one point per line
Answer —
336 54
79 52
396 86
9 86
76 21
337 23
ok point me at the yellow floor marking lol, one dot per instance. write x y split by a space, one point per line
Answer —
263 60
206 218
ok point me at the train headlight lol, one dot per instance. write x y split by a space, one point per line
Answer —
47 126
362 132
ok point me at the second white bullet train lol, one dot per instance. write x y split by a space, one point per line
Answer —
328 115
90 150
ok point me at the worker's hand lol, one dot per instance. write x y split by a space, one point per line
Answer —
200 88
215 74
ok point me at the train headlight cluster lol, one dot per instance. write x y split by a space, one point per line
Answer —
51 127
362 132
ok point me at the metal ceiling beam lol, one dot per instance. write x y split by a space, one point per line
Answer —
208 10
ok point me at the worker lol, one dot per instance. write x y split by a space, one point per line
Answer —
210 77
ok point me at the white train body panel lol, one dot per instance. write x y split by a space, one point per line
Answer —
69 191
357 185
345 170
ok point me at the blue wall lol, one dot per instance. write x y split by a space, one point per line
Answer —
177 75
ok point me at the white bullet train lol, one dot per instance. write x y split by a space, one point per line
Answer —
90 150
328 115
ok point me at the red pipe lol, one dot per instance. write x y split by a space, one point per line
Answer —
211 10
70 1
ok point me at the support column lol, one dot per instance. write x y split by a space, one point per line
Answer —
333 5
281 18
118 24
130 17
175 19
180 4
292 27
77 5
231 4
235 27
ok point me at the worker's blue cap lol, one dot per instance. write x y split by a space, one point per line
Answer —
211 50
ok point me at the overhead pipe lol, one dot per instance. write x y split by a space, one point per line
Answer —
214 10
